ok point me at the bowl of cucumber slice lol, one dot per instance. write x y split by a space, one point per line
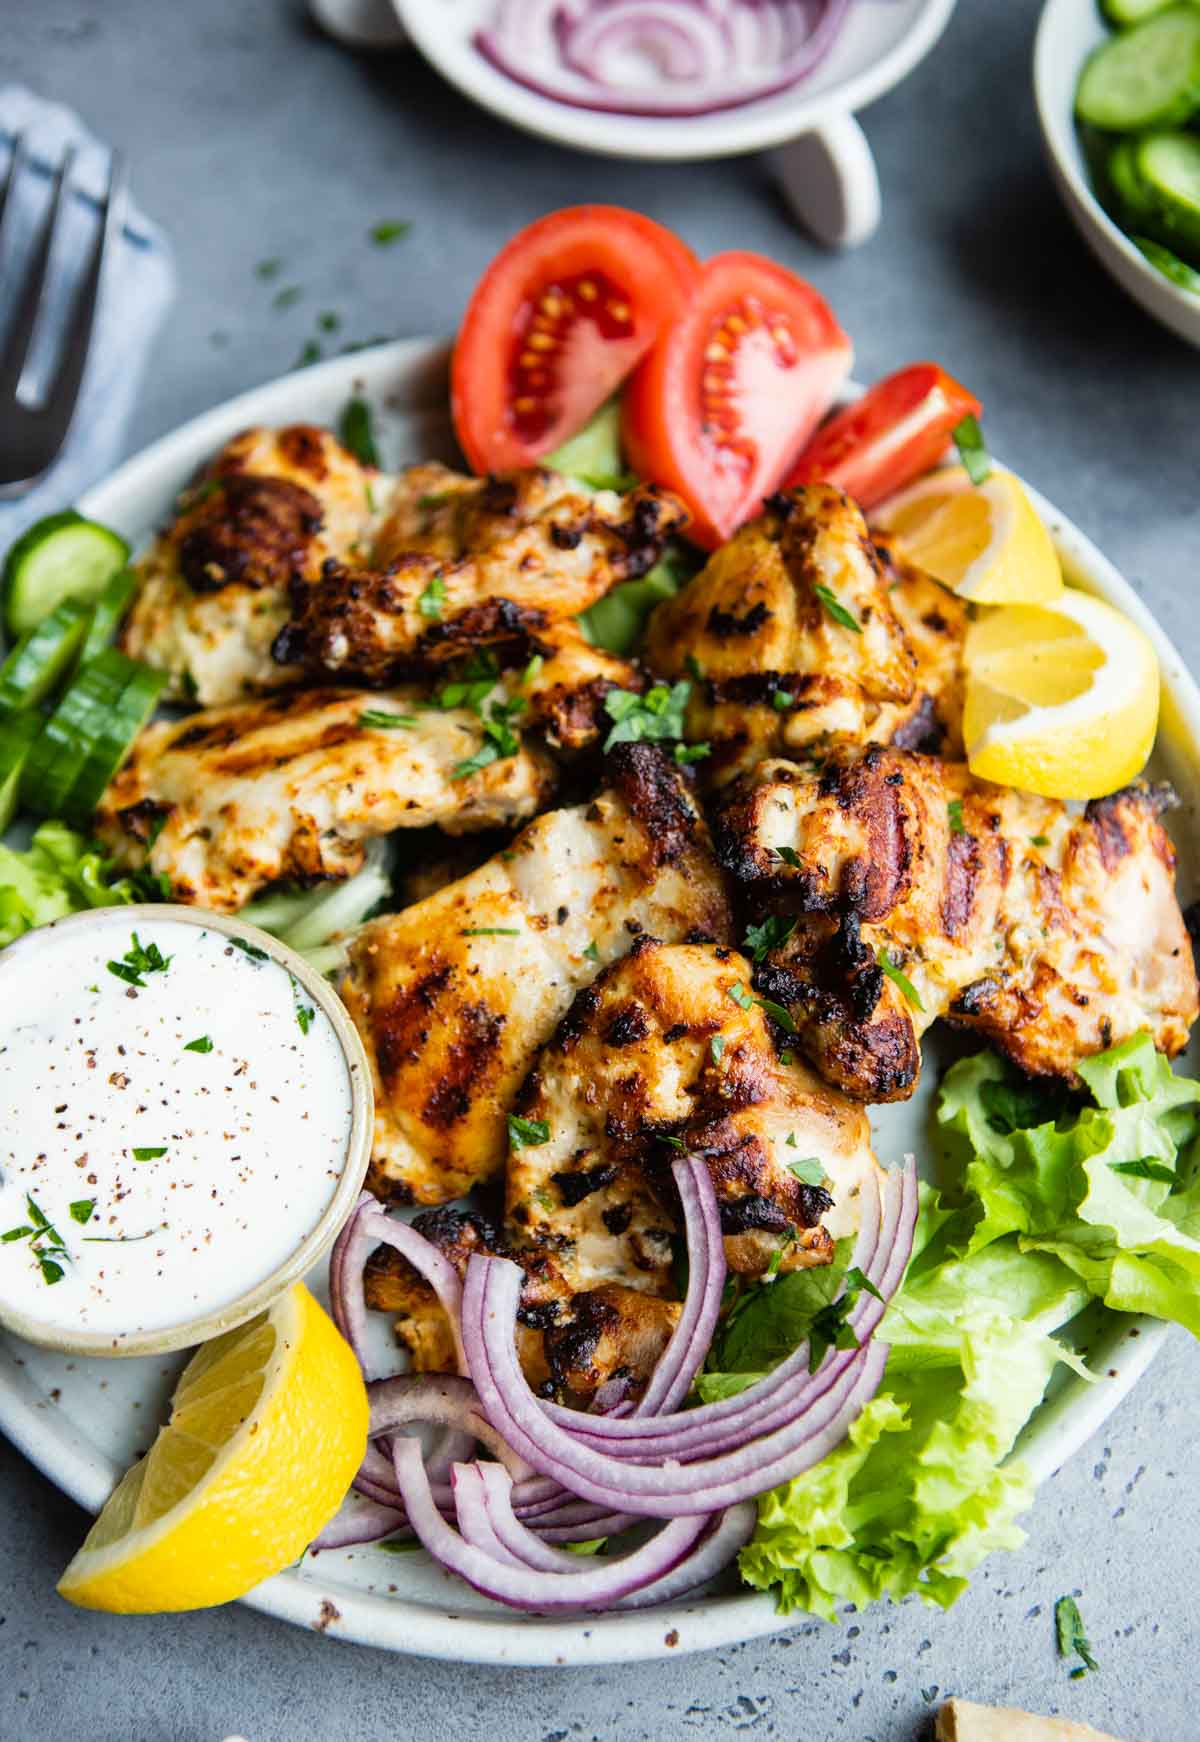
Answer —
1117 86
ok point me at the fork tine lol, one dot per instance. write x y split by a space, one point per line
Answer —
21 330
10 257
62 386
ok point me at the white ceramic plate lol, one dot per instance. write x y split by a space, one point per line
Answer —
83 1421
1068 32
881 42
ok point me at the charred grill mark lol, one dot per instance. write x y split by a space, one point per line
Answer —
302 445
498 495
644 532
493 620
255 532
628 1026
739 1215
1104 814
400 1028
571 1349
144 819
617 1218
964 867
467 1063
656 795
728 626
763 686
566 537
922 730
575 1023
574 1187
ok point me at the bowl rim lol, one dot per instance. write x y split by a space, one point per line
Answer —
1058 138
320 1237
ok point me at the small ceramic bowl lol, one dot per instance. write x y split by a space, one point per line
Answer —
1068 32
312 1247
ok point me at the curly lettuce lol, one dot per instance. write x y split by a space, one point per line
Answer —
1048 1203
61 872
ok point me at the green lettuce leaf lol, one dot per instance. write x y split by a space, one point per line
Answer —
61 872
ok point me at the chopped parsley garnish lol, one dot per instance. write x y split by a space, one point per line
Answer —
774 931
45 1241
499 739
490 931
972 449
740 995
287 296
675 1142
1039 840
685 753
385 722
716 1047
787 1057
789 856
527 1133
782 700
389 231
267 269
837 610
474 684
1072 1640
1145 1169
310 352
531 670
138 961
693 667
81 1210
433 598
829 1329
249 949
955 816
305 1014
592 953
356 431
329 321
899 978
202 1043
777 1012
654 717
149 1153
807 1169
435 498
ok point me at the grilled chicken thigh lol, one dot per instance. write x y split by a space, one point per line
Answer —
1053 934
290 787
490 560
454 996
805 634
270 509
663 1052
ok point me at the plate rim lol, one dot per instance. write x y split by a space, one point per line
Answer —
391 1621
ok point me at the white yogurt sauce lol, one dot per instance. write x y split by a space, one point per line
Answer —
178 1139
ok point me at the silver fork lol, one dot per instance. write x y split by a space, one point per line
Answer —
35 415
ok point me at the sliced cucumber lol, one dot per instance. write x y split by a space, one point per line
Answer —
1130 194
42 658
1169 166
1126 12
1146 77
110 611
113 741
593 454
69 736
62 557
17 734
1170 265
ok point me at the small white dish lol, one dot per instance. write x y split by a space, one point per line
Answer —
831 186
104 930
1067 33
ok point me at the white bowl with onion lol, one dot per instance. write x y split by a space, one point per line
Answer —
678 80
186 1116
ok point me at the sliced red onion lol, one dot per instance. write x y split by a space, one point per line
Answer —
360 1521
663 1490
684 1354
599 1587
704 55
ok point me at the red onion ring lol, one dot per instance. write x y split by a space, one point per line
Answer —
566 52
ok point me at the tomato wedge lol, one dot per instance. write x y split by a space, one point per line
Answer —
728 397
893 434
556 323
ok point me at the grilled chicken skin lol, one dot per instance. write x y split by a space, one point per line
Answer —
270 509
1054 935
488 560
658 1054
290 787
454 996
806 634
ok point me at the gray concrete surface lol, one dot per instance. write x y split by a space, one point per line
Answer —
250 137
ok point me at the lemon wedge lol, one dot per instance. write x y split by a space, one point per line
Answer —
984 541
1061 699
268 1426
